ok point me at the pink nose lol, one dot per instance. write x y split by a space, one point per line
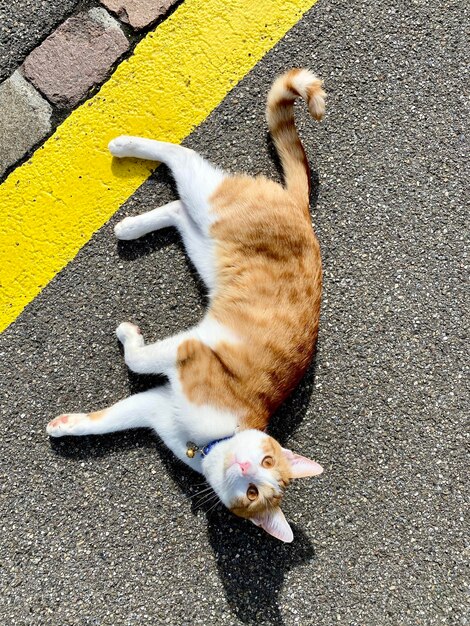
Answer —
245 466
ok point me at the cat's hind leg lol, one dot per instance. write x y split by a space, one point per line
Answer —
196 178
199 246
154 358
139 225
141 410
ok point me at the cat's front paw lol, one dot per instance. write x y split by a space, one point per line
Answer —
127 331
67 424
121 146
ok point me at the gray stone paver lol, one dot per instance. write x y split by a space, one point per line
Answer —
75 59
25 119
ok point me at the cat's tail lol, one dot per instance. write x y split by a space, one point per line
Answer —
280 116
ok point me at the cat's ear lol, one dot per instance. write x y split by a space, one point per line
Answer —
274 523
301 467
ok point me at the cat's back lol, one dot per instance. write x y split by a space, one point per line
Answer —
268 257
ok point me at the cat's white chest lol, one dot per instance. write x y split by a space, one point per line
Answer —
204 423
196 424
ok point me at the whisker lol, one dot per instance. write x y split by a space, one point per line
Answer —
208 498
206 495
213 507
198 493
218 484
207 502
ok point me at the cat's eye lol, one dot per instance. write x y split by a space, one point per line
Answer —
267 462
252 493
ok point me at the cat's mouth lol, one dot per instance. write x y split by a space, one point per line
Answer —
248 509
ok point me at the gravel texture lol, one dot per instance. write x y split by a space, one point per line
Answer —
102 531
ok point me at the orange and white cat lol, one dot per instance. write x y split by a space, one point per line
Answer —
252 243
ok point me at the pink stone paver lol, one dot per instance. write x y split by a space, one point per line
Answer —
75 57
138 13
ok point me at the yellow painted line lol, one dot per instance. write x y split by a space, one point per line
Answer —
51 206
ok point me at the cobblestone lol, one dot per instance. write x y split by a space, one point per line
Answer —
77 56
138 13
24 120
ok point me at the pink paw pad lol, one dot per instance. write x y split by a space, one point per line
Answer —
62 419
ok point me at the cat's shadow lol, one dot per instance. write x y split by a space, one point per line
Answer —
252 566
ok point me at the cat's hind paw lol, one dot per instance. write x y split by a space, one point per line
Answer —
126 229
67 424
121 146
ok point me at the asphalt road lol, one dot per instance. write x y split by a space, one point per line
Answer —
104 530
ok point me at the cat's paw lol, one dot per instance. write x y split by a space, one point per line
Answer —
67 424
127 229
127 331
121 146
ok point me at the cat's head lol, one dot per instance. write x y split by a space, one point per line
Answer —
250 471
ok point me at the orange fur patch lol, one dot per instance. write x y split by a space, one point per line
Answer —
281 469
96 415
266 500
269 290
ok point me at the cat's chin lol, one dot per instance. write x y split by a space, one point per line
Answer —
213 469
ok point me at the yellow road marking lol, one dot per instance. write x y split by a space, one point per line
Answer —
51 206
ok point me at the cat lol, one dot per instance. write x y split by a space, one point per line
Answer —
252 242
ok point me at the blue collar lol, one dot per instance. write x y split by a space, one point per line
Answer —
206 449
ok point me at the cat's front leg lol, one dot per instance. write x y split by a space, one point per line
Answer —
140 410
129 335
155 358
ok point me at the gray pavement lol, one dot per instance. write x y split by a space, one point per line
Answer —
104 530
